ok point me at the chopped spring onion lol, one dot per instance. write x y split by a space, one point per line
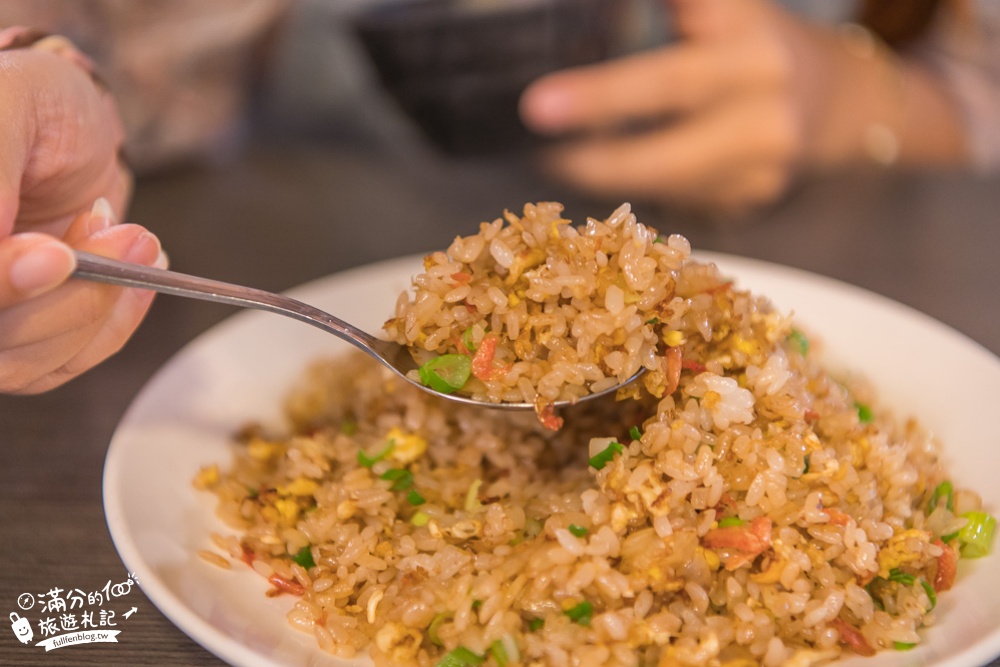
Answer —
653 320
865 414
931 595
805 466
467 341
949 537
432 629
415 498
447 373
943 490
304 557
579 531
900 577
976 537
660 239
903 646
874 588
499 653
536 624
401 478
799 341
731 521
420 519
476 604
634 433
367 461
461 657
604 457
581 613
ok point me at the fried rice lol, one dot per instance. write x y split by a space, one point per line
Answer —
740 505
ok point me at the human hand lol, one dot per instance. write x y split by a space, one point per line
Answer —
746 97
59 146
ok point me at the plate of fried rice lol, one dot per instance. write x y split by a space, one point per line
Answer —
802 475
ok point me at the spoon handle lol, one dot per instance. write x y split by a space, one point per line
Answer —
392 355
104 270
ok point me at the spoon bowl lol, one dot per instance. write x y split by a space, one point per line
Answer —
393 356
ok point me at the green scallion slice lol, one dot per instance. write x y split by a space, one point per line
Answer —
581 613
635 433
461 657
604 457
432 629
467 341
447 373
865 414
366 461
903 646
499 653
942 490
401 478
976 537
931 595
304 557
415 498
728 521
875 588
420 519
536 624
900 577
799 341
579 531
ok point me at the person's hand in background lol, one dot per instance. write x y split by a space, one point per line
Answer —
59 153
725 117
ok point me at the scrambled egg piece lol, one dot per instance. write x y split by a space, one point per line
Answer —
673 338
407 447
747 347
262 450
900 550
771 575
207 477
299 487
398 642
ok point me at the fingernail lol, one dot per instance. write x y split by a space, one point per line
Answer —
96 224
102 209
145 249
41 267
162 261
545 107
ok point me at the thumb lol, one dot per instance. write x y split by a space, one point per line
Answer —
31 264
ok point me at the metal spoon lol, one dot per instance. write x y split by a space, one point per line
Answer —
394 356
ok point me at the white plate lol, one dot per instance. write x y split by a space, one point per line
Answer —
240 370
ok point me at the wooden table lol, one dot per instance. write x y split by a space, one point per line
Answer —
284 213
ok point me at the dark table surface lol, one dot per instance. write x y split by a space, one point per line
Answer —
284 213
